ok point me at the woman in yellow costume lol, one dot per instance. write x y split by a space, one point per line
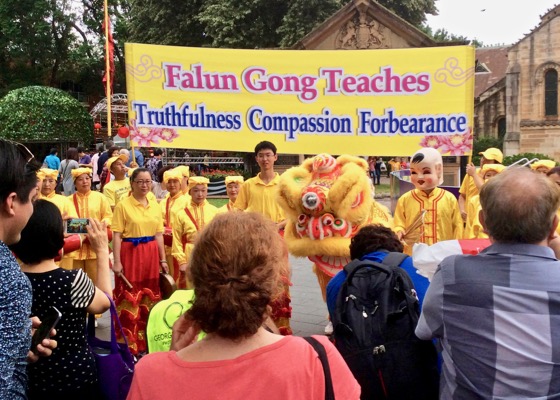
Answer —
188 221
138 253
88 204
174 200
442 219
473 227
48 185
233 183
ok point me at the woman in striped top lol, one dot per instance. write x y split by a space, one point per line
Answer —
70 372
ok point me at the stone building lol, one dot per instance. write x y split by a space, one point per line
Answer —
489 92
532 90
523 98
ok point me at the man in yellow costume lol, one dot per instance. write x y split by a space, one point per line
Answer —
233 185
174 200
442 218
119 188
88 204
473 181
189 220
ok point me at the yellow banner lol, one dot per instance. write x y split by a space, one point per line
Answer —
363 102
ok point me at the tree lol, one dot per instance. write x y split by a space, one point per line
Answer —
302 17
40 113
245 23
413 11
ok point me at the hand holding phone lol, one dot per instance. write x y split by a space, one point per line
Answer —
48 323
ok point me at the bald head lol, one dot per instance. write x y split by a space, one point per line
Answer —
519 206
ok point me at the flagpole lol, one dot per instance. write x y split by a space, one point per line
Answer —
107 69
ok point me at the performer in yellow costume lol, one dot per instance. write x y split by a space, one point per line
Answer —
233 184
48 185
188 221
184 169
442 220
174 200
473 181
139 254
543 166
473 227
88 204
326 201
119 188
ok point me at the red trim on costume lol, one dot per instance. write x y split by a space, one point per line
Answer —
189 214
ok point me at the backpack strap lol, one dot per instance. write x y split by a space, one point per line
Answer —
394 259
320 349
353 266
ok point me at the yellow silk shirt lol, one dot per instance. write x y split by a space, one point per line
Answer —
442 220
91 205
473 228
226 207
115 191
179 201
255 195
133 220
62 203
468 189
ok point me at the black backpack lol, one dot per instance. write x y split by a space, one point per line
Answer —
374 321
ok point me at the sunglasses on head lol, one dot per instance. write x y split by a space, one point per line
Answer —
24 151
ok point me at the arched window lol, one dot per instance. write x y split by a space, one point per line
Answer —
551 93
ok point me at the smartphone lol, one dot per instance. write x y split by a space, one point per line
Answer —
48 323
76 225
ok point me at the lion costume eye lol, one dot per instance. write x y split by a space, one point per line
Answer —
310 201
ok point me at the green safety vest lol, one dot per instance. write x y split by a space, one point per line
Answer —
162 317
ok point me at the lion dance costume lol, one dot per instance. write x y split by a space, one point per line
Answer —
326 201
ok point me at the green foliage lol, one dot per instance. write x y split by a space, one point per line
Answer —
39 113
245 23
529 156
413 11
443 35
302 17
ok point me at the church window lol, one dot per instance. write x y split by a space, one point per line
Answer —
551 92
501 125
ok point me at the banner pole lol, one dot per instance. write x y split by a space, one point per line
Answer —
107 69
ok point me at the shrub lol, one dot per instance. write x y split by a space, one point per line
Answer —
41 113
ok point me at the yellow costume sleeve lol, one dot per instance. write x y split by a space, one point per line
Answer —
182 226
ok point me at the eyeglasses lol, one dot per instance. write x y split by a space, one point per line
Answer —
265 155
141 183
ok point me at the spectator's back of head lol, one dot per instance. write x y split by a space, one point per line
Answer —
53 151
236 267
17 171
109 144
43 236
518 206
374 238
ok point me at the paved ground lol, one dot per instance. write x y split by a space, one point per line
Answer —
309 312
